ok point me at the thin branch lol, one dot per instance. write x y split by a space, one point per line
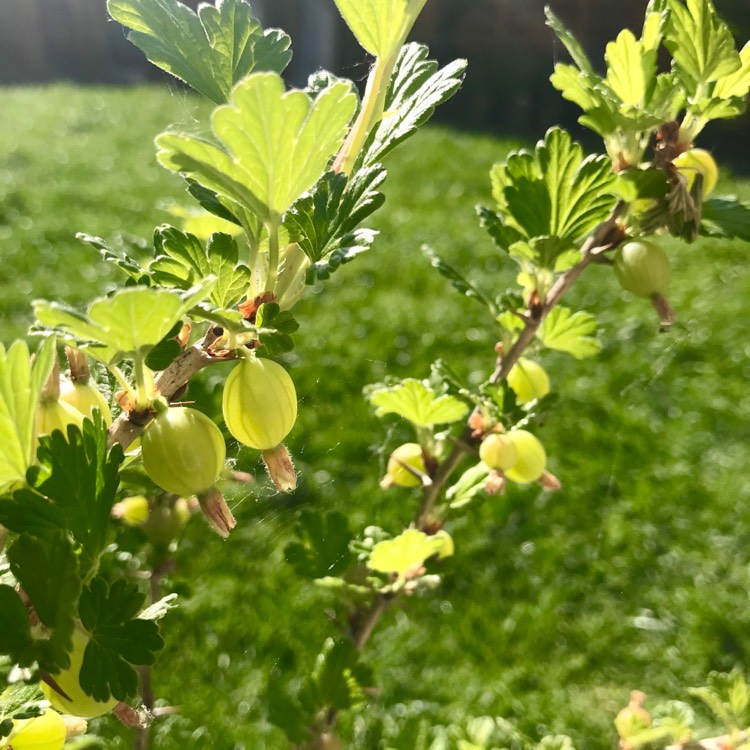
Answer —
129 425
434 490
367 626
605 237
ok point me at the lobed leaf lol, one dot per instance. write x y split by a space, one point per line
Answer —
77 480
726 217
404 553
417 402
324 222
276 144
458 282
210 50
119 639
126 325
48 572
182 261
417 87
337 678
323 546
571 332
701 44
555 195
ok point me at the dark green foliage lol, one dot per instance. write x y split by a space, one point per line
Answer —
118 639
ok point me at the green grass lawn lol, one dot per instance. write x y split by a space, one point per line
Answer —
555 606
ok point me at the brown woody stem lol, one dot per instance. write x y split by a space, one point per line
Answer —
129 425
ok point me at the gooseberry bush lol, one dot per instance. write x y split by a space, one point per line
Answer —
286 180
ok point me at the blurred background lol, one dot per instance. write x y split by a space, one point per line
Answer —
510 50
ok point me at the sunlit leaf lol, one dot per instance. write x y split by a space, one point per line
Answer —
700 43
276 143
20 387
554 194
469 485
380 26
126 325
418 86
404 553
570 332
417 402
210 50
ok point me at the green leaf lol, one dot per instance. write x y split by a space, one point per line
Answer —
324 221
211 203
571 44
380 26
119 639
417 87
118 258
286 713
15 630
166 351
726 217
737 84
572 332
555 193
676 717
276 144
701 44
21 383
182 262
631 69
323 546
48 573
73 490
416 401
336 679
19 701
275 328
210 50
458 282
404 553
126 325
471 484
728 697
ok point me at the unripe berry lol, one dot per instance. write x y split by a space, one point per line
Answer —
85 397
183 451
45 732
132 511
80 704
54 415
531 458
259 403
406 455
642 268
498 451
529 381
698 161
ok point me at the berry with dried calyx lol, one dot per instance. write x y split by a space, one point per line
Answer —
183 450
259 403
643 268
498 451
698 161
406 467
532 458
529 381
